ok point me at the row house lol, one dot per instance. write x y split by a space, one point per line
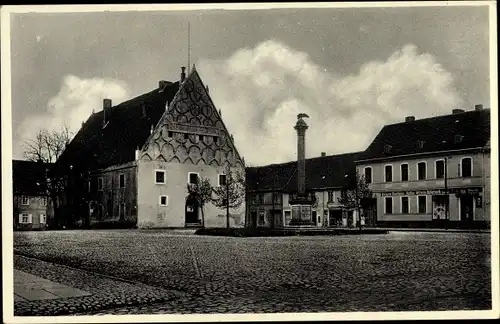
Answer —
269 188
32 206
432 172
130 164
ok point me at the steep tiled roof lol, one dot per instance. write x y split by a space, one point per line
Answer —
95 146
434 134
321 172
29 177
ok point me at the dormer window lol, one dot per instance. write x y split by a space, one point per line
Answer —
420 144
387 148
458 139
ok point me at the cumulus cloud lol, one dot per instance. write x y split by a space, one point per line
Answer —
73 105
261 90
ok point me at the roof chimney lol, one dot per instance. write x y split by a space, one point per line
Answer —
478 107
409 119
106 106
183 73
457 111
323 154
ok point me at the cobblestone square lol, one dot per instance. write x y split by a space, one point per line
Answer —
400 271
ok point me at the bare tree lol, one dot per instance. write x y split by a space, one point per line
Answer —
202 193
47 147
356 192
230 194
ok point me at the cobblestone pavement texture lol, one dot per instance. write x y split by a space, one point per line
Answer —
400 271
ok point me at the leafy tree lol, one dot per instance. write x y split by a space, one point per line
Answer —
202 193
353 196
47 147
231 194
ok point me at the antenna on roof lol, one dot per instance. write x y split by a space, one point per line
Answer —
189 47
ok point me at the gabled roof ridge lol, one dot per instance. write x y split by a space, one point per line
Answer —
307 159
439 116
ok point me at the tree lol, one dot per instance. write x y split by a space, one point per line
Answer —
47 147
230 194
202 193
353 195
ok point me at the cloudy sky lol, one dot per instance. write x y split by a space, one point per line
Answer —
352 70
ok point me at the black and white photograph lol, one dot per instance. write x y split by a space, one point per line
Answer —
249 162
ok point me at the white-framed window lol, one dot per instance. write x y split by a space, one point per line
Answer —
43 218
388 205
422 170
405 205
330 196
404 172
193 177
163 201
439 169
367 171
25 200
222 180
160 176
100 183
422 204
43 201
25 218
466 167
121 180
389 173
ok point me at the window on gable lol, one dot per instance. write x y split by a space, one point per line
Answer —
25 200
222 179
200 137
388 173
368 175
160 177
387 148
439 169
466 168
186 136
404 172
170 134
122 180
215 139
422 170
193 178
163 200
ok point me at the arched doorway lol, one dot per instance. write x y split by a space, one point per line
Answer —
192 216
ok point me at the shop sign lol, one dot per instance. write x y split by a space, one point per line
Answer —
432 192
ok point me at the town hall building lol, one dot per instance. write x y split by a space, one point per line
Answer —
131 163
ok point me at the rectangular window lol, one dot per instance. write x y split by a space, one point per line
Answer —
405 205
163 200
201 137
422 170
276 198
404 172
222 179
466 169
99 184
262 215
422 204
387 149
160 177
388 173
193 178
330 196
25 200
170 134
440 169
122 180
215 139
24 218
43 201
43 218
368 175
388 205
186 136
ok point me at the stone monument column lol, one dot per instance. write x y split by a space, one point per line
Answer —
301 201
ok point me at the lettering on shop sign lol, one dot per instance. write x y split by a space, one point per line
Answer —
463 191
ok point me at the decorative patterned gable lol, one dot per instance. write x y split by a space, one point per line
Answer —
192 131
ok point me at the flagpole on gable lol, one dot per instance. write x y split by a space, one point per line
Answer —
189 47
